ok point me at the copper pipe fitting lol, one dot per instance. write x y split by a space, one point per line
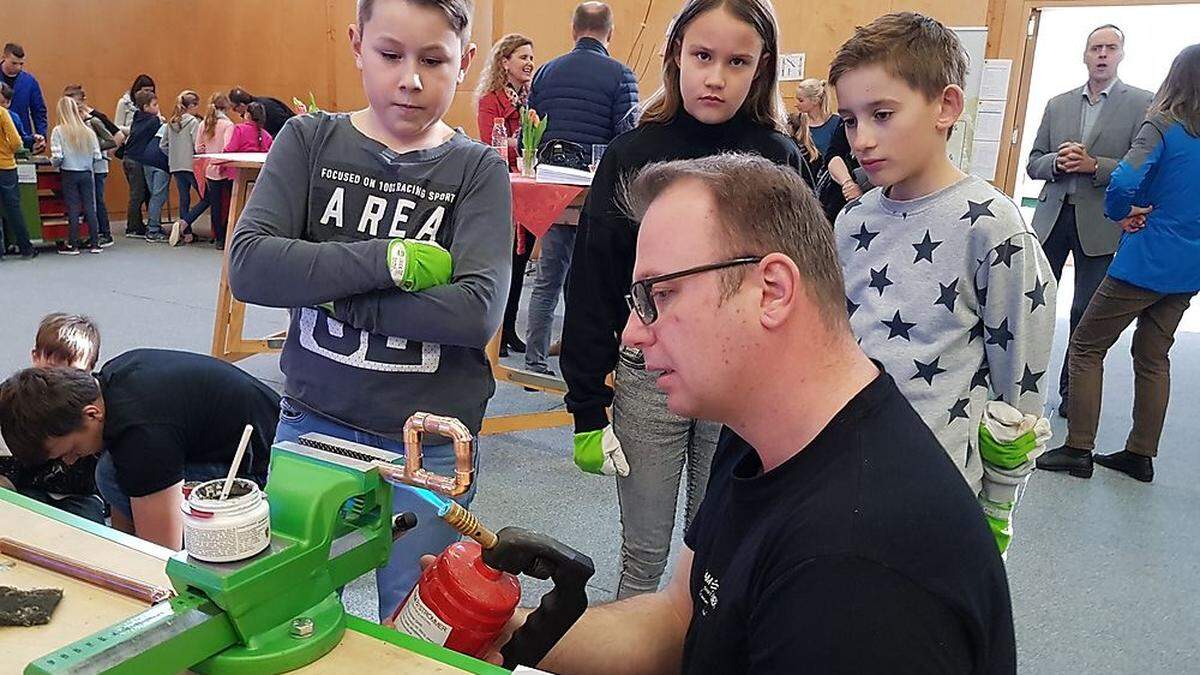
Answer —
412 473
76 569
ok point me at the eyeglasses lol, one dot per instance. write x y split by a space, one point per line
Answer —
641 296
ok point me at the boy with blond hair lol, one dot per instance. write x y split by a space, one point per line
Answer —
946 286
72 341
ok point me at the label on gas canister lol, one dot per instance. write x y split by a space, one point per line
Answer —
417 620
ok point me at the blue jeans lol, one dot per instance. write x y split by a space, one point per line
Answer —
185 182
10 201
158 182
79 192
110 489
431 536
557 246
101 207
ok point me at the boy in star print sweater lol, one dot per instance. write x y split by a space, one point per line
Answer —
946 285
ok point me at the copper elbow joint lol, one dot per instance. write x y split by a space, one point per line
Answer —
464 455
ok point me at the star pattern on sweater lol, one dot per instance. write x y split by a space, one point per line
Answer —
976 331
924 248
1000 335
880 280
980 378
977 210
1005 252
959 410
969 273
864 238
948 294
1037 296
927 371
1029 381
898 327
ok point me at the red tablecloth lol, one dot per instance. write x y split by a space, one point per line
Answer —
537 205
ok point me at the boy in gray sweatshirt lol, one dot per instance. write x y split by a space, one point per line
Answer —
946 286
388 236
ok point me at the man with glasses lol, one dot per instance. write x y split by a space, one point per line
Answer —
836 535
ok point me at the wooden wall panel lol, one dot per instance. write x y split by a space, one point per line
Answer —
280 48
287 48
816 28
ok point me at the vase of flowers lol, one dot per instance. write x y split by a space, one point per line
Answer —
532 128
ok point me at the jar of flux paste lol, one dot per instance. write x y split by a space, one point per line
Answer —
226 530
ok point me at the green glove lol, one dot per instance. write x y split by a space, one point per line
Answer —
599 452
418 265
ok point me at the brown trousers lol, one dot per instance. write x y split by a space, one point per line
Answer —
1114 306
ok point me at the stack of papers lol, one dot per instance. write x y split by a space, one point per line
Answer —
549 173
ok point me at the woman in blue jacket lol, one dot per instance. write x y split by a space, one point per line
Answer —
1153 277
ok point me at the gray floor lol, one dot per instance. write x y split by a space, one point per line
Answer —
1102 571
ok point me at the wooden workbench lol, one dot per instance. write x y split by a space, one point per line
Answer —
85 609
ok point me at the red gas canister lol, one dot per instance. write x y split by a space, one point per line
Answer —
459 602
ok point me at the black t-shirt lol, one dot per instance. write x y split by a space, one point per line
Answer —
166 409
864 553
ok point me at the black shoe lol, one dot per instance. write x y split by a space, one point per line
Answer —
219 244
30 255
503 350
1133 465
106 240
1078 463
513 343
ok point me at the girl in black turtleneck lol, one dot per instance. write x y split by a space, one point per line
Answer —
720 94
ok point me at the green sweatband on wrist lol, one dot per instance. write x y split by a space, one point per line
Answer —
1006 455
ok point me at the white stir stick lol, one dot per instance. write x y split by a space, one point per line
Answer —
237 461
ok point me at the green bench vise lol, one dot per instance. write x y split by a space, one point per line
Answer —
331 522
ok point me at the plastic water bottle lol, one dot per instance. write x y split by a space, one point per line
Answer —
500 138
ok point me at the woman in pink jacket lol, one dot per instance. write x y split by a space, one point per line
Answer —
212 137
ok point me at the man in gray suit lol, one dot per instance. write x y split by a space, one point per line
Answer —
1083 136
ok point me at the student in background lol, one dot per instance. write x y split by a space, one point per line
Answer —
720 94
74 149
277 112
812 99
10 195
135 226
109 137
143 146
503 91
179 142
801 133
211 137
251 135
154 418
386 233
62 341
27 101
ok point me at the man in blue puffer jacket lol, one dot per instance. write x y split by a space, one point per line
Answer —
589 98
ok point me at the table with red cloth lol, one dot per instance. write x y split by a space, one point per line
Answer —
537 206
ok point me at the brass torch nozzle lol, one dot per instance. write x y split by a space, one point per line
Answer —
468 525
